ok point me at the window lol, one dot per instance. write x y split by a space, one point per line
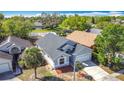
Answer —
61 60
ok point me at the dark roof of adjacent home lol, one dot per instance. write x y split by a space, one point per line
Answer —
18 41
5 55
54 46
95 31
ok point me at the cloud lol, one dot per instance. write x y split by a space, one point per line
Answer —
116 13
97 14
68 14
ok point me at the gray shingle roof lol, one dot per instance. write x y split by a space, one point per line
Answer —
18 41
5 55
95 31
50 43
81 49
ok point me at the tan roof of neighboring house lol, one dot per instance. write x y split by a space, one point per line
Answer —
83 38
5 55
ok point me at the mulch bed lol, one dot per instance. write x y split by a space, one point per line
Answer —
64 69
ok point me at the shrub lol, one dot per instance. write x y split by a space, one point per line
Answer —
79 66
22 64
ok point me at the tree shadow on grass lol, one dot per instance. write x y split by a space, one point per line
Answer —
50 78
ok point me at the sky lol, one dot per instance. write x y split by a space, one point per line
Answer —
83 13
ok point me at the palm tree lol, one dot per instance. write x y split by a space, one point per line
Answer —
33 58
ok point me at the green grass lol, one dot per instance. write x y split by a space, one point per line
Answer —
41 30
43 71
26 74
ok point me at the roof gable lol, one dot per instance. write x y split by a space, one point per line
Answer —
17 41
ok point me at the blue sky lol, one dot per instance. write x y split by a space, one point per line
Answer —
84 13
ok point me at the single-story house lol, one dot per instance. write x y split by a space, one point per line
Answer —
5 62
60 52
14 44
84 38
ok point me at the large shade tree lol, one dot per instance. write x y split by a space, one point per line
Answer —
75 23
17 27
33 58
110 42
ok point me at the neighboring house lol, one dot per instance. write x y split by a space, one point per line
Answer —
14 45
38 25
59 51
83 38
5 62
95 31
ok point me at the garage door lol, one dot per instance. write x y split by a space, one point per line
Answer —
82 58
4 68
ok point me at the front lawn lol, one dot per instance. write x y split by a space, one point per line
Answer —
41 30
121 77
29 74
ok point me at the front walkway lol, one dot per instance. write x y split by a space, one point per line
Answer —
97 73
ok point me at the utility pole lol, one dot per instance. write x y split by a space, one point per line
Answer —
74 72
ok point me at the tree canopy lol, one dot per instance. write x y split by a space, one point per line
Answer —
75 23
110 42
17 27
33 58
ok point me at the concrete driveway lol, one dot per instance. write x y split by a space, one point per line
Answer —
97 73
8 76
